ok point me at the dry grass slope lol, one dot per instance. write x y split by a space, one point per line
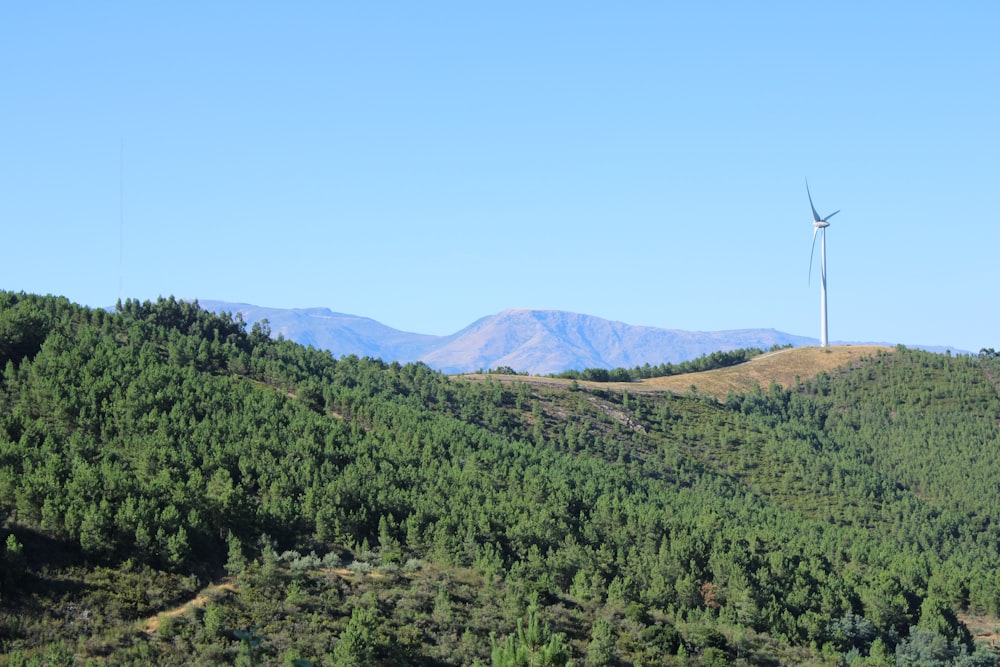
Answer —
783 367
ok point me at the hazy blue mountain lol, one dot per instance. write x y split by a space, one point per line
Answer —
533 341
340 333
549 341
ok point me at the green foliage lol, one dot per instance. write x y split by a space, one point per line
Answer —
502 370
213 621
940 619
236 561
852 632
358 643
600 648
930 649
250 641
146 451
532 646
14 565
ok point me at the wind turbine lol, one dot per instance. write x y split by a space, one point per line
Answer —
819 226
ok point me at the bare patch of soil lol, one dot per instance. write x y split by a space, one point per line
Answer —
985 629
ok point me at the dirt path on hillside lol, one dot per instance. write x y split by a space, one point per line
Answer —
212 592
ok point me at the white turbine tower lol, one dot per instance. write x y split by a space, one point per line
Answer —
819 226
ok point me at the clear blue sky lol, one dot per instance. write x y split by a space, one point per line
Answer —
429 163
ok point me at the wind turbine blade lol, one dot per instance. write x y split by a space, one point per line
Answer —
811 253
831 215
816 217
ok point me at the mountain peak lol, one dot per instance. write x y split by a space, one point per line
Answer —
531 340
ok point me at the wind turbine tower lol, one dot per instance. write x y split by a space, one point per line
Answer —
819 227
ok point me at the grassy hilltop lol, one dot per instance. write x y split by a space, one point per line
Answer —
175 489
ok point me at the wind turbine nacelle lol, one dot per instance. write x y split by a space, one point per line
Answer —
821 223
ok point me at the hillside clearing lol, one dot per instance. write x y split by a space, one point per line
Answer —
785 367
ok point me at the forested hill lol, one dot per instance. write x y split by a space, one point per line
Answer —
178 490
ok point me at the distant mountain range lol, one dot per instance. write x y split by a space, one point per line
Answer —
533 341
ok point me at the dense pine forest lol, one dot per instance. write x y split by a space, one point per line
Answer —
177 490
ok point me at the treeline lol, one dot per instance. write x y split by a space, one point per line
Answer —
707 362
378 513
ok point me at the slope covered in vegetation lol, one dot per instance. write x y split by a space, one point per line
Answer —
362 512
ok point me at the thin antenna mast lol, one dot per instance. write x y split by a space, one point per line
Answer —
121 219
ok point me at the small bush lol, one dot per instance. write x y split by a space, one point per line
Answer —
304 563
332 560
413 565
360 567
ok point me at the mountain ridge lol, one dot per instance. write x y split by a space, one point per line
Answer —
535 341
